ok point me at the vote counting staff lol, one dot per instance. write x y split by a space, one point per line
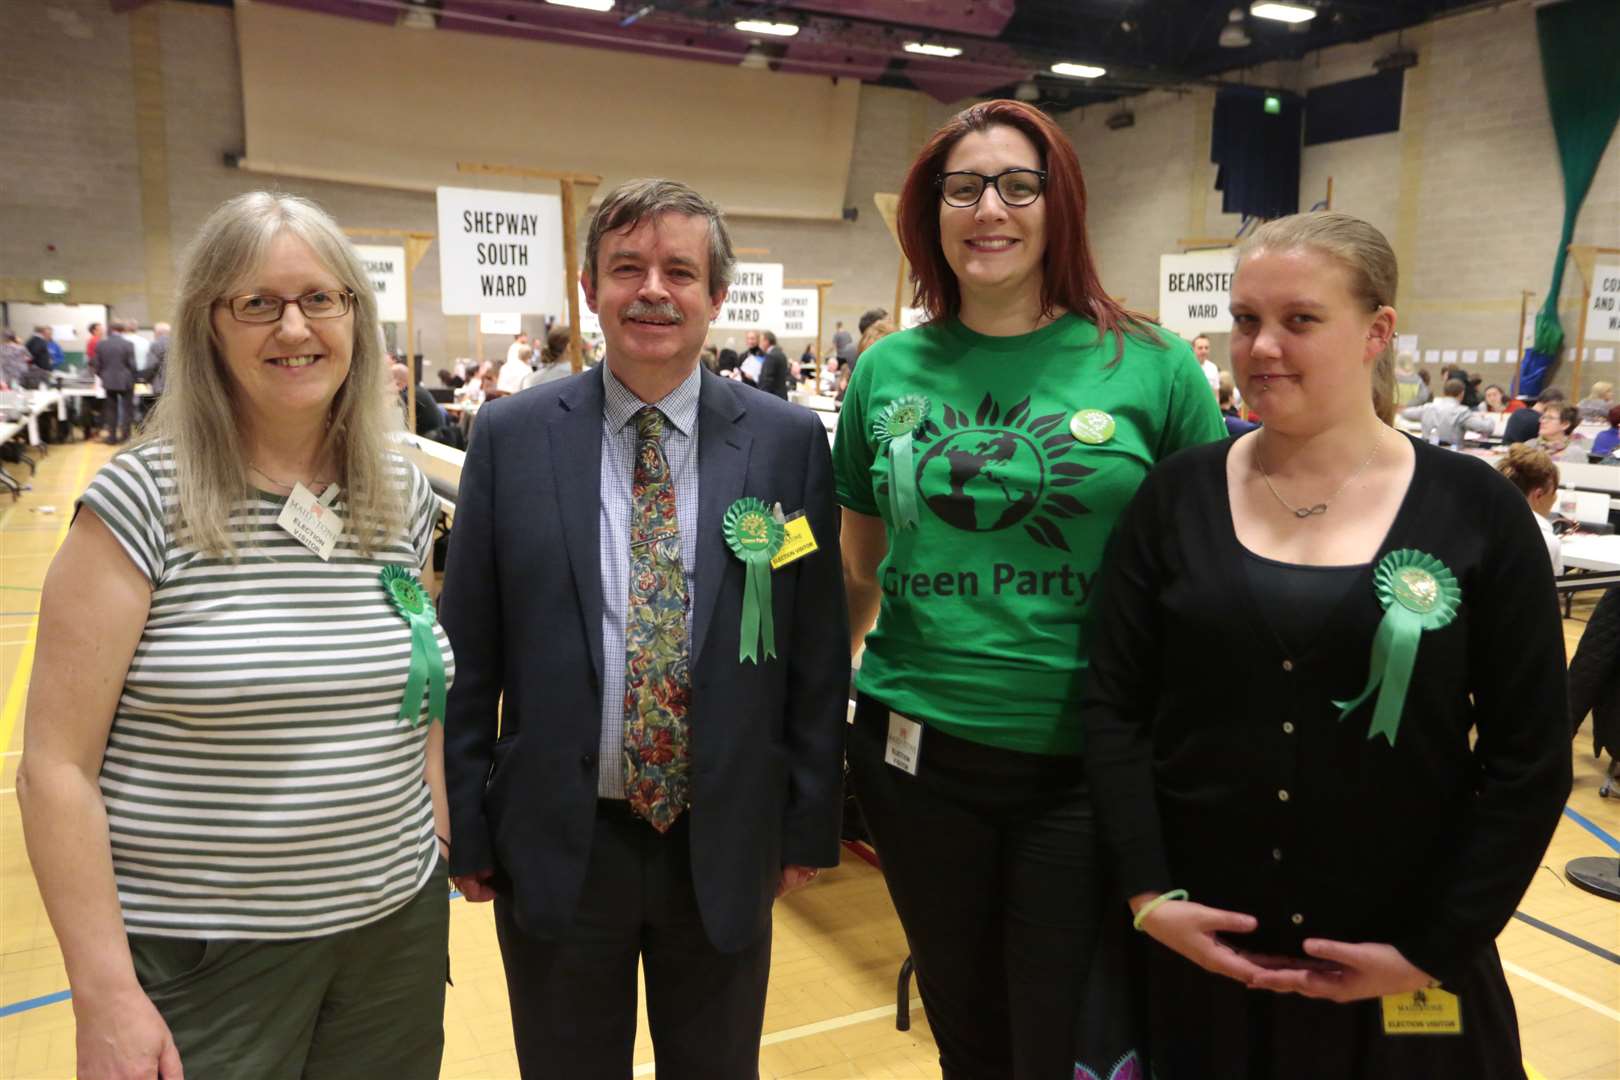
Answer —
231 779
644 738
982 460
1300 631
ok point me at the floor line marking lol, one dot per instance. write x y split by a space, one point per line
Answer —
1592 827
34 1003
648 1068
1565 935
1562 991
17 693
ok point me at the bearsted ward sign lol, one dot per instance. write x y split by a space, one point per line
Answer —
500 252
1195 291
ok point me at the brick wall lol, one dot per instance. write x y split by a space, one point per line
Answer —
1469 191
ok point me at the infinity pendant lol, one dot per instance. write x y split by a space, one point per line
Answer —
1305 512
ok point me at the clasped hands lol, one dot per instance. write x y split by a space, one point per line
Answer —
1332 970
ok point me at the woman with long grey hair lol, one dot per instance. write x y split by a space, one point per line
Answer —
232 784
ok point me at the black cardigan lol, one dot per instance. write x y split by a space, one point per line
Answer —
1219 764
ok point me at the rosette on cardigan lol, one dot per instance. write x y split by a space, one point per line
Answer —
755 537
1418 593
427 662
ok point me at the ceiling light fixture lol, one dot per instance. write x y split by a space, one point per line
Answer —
1288 13
921 49
53 287
1233 35
588 5
1079 71
760 26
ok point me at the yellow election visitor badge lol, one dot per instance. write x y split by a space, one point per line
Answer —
1091 426
1422 1012
797 541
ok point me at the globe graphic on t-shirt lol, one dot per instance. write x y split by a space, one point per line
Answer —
975 480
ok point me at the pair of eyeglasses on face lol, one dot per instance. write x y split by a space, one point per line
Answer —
315 304
1015 187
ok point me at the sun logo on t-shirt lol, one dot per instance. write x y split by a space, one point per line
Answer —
994 469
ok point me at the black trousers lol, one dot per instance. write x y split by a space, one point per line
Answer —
120 414
991 859
574 1000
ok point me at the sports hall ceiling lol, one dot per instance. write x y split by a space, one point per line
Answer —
1007 46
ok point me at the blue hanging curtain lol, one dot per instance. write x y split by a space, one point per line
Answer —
1257 152
1578 40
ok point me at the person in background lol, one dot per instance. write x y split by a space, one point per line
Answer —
1036 405
234 813
775 374
710 358
843 343
92 342
1425 390
1293 906
1535 475
1597 406
807 362
39 348
870 317
1606 443
14 360
1493 400
554 363
519 341
1212 373
156 359
1472 397
143 347
1559 438
1525 424
828 384
429 417
515 370
1235 424
1446 420
114 365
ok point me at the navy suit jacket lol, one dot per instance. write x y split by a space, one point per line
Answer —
522 605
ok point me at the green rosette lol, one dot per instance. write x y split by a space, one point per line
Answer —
896 426
411 600
755 536
1418 593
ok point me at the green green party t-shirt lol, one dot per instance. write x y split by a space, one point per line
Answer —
981 628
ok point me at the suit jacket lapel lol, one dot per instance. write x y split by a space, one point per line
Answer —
576 457
723 445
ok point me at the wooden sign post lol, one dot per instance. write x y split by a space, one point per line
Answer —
416 246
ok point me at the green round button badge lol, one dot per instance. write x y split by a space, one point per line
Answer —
1091 426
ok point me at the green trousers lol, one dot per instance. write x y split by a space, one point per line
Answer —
361 1003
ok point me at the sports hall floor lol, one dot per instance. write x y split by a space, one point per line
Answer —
838 945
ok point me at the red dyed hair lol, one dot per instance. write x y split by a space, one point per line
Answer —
1069 274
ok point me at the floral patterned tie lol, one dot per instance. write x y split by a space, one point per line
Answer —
658 684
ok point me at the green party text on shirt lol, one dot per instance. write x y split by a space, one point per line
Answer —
981 625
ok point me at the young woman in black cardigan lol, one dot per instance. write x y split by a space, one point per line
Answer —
1322 855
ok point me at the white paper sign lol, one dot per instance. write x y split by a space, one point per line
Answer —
1603 313
1511 357
385 267
1431 356
500 252
500 324
1603 355
801 314
1406 343
1195 292
1470 356
1448 356
1493 356
755 299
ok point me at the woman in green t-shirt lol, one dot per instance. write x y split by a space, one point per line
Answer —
982 460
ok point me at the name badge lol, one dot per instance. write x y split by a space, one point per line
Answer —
905 744
797 541
1422 1012
311 521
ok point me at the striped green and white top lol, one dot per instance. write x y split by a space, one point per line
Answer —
258 780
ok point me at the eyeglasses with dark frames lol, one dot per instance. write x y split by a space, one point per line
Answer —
1015 187
315 304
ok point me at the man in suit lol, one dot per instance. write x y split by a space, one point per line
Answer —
114 364
774 375
651 790
39 348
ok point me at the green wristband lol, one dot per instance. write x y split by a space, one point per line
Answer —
1152 905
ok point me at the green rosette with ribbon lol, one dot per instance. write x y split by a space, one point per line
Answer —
755 536
1418 593
411 600
896 426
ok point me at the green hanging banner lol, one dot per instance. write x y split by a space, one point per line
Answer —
411 600
754 536
896 426
1418 593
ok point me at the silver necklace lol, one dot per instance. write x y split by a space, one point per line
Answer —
1321 507
289 485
